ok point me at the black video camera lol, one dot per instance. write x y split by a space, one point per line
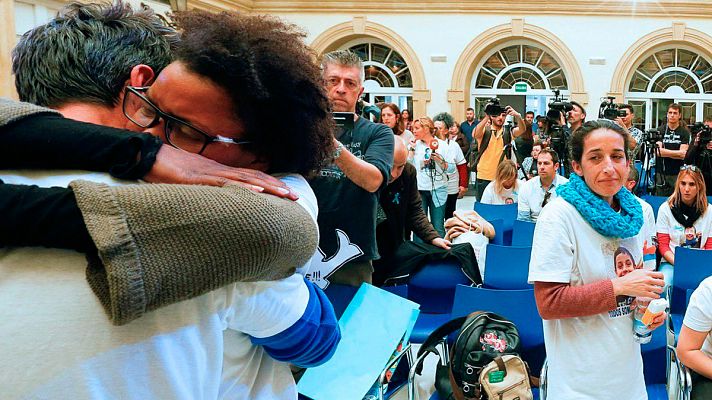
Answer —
704 131
652 136
557 107
610 110
494 108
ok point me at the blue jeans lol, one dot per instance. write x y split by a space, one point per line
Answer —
667 269
436 209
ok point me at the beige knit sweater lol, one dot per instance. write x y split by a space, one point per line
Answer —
159 244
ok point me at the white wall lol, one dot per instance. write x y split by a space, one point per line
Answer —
587 37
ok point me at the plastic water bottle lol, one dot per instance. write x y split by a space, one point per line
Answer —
645 310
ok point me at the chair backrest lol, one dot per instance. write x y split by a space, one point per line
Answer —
692 266
522 233
498 226
655 202
507 267
506 212
433 286
518 306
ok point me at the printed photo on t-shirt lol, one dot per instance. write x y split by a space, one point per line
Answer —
691 238
623 264
509 200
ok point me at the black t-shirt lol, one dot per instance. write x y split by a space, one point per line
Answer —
344 205
672 140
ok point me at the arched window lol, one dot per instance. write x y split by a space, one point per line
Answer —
670 75
523 75
387 77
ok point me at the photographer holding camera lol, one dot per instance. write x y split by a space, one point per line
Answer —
673 148
494 142
576 117
626 121
700 151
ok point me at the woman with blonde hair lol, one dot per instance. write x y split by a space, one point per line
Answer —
432 160
504 189
684 220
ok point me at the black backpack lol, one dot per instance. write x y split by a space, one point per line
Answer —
484 337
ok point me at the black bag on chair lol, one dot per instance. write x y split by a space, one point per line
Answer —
484 360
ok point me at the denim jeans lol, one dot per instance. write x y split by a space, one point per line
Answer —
436 209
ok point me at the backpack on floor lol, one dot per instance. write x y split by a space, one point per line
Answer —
484 360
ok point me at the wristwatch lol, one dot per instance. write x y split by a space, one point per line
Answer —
338 150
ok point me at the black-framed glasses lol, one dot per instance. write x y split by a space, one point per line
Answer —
692 168
547 196
180 134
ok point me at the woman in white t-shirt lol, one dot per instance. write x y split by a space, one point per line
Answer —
588 324
391 116
504 189
694 347
684 219
431 160
457 179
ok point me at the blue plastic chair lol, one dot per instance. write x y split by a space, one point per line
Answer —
433 287
506 212
522 233
519 306
507 267
692 266
498 226
655 202
654 365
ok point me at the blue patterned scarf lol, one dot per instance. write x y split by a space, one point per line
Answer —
599 214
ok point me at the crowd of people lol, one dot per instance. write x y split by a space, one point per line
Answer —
208 283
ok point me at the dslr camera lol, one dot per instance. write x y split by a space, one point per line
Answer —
610 110
494 108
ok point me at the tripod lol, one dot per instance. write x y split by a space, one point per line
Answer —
647 181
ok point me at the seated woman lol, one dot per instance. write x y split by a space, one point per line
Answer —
504 189
684 219
588 326
694 346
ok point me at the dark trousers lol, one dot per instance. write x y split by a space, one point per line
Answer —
353 274
480 185
701 387
450 205
669 185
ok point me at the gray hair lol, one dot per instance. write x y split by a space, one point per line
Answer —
346 58
86 53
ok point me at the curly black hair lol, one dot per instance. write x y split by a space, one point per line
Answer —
272 79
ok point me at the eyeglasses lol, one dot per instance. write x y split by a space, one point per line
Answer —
689 168
547 195
180 134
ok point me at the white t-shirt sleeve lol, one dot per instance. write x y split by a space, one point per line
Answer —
663 223
698 316
266 308
552 258
488 196
300 186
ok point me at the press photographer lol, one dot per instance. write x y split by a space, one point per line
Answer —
673 149
700 151
494 142
622 114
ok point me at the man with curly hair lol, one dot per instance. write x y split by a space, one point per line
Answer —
233 342
347 189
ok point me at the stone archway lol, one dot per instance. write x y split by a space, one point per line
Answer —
677 34
479 47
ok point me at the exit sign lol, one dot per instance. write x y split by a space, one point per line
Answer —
520 87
